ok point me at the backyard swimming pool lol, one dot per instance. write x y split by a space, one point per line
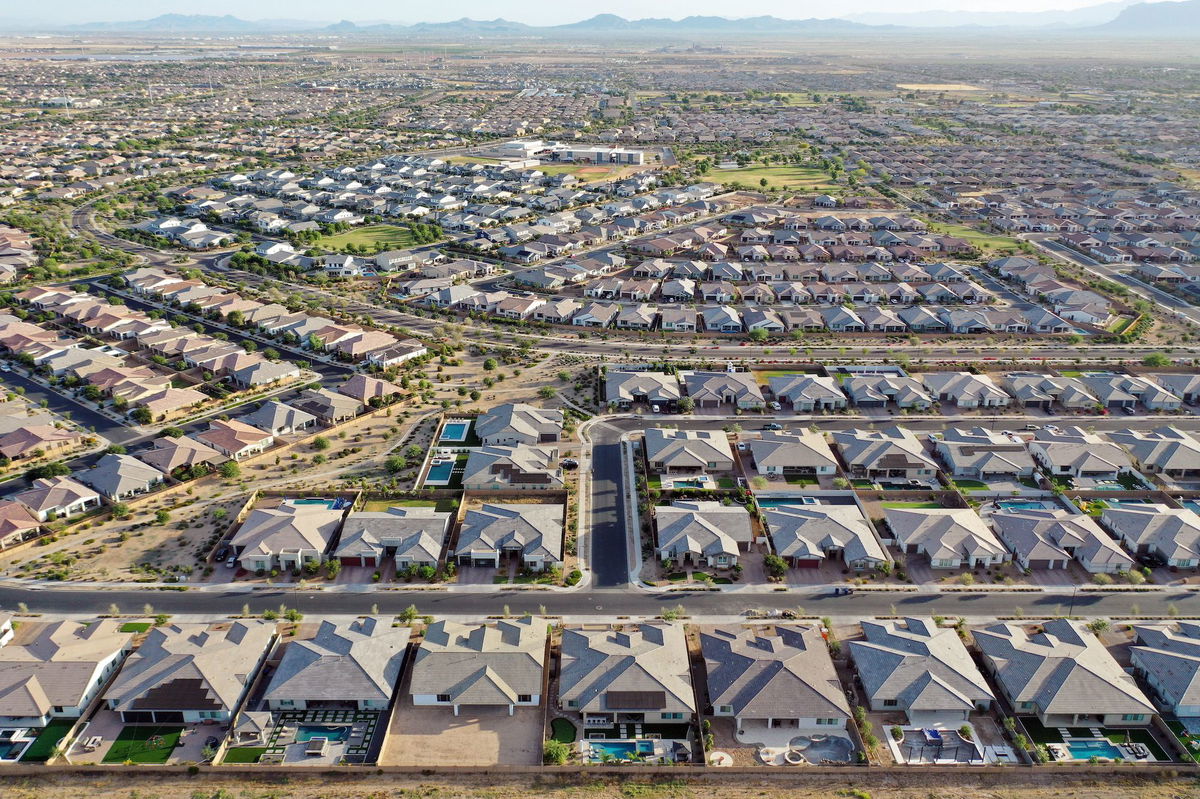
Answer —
455 430
621 750
439 473
1024 505
306 732
1084 749
329 503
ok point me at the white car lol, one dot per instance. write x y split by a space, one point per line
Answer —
229 564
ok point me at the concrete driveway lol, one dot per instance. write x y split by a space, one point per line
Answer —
476 737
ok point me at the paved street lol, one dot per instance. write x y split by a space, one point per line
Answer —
609 602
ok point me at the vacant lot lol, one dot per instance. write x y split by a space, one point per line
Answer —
389 236
779 177
475 737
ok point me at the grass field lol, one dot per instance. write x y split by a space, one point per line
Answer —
390 236
984 241
781 177
135 626
43 746
243 754
143 744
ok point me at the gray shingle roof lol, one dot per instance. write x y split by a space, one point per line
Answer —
788 674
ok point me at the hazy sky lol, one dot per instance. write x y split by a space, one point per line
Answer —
530 11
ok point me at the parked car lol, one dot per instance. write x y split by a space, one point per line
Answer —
229 564
775 406
772 426
569 463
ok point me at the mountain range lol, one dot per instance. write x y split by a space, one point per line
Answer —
1117 17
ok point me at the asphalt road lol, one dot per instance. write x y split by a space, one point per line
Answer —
609 540
976 605
79 412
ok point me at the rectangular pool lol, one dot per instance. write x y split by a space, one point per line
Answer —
455 430
439 473
1027 505
329 503
1192 505
306 732
1084 749
621 750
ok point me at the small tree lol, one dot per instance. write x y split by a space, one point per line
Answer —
320 443
230 470
161 517
555 753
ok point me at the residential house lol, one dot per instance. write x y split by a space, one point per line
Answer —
1045 538
1062 673
511 423
638 674
355 663
981 454
480 665
920 669
286 536
772 679
412 537
1167 657
804 454
714 389
888 454
119 476
50 498
951 537
190 673
702 533
278 419
808 535
53 670
235 439
807 393
532 534
625 389
687 451
518 468
1171 535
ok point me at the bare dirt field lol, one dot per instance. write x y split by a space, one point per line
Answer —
125 784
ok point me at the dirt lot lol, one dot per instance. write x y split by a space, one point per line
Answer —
490 785
475 737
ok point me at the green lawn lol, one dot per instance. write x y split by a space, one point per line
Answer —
779 176
1044 735
726 482
135 626
244 754
144 743
43 746
562 731
977 238
971 485
390 236
867 484
920 505
1184 738
801 481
